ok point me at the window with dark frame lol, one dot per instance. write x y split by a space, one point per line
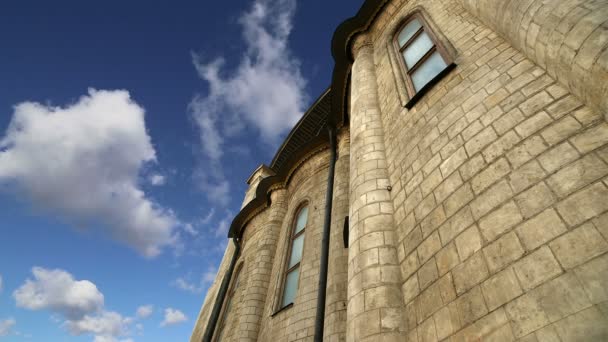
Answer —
423 58
228 304
292 268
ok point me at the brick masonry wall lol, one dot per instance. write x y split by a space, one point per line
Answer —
262 259
499 182
496 223
568 39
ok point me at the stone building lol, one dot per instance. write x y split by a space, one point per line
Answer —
451 184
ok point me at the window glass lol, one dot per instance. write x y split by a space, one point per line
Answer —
431 67
408 31
301 222
414 51
296 251
291 285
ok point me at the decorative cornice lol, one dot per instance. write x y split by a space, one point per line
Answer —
343 58
360 41
278 181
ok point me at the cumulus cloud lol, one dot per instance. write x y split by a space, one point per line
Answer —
83 162
173 316
185 283
6 325
106 326
265 92
79 302
58 291
145 311
99 338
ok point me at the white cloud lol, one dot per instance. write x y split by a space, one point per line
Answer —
78 301
145 311
185 283
83 162
208 217
1 283
157 179
213 182
6 325
58 291
99 338
265 92
106 326
173 316
189 228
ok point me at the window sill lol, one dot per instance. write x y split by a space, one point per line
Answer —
410 104
288 306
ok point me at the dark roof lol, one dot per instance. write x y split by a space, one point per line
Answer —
309 126
329 109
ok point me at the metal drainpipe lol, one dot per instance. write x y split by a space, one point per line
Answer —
219 301
320 319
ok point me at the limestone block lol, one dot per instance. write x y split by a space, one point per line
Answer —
585 204
578 246
540 229
500 221
526 315
534 200
537 268
503 251
501 288
468 242
470 273
558 156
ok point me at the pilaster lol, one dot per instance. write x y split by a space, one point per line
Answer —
375 303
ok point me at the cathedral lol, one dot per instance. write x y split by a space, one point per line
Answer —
451 184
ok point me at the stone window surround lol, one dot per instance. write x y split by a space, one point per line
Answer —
278 307
407 95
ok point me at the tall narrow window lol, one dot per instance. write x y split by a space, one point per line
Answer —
423 58
296 244
227 305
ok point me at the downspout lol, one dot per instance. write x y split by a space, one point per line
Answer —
320 319
219 301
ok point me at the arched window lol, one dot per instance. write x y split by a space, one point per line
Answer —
227 305
292 269
423 58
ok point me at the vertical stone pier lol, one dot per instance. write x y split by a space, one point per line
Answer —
259 267
335 314
375 303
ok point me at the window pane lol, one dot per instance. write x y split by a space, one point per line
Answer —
291 285
302 217
296 251
428 70
421 45
408 31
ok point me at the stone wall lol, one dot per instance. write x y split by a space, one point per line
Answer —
499 186
203 317
265 247
479 214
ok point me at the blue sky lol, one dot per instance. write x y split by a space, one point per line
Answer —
127 131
